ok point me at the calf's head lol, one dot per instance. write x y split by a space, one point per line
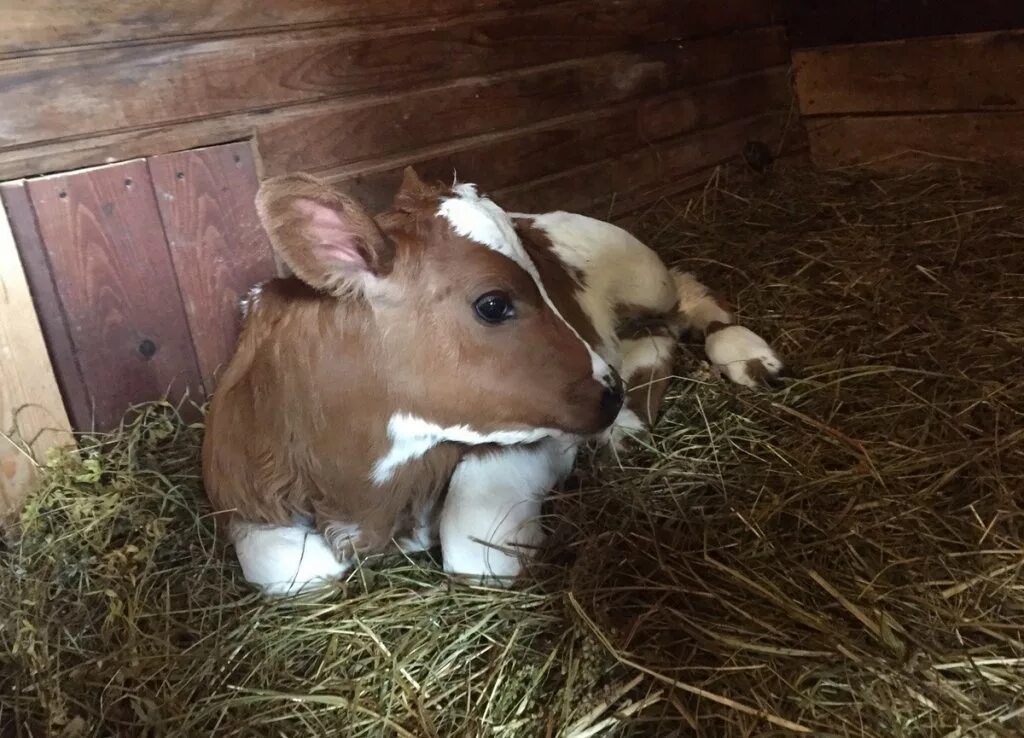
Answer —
466 336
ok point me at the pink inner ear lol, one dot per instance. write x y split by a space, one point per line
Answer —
334 237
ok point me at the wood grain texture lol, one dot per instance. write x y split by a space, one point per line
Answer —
41 24
50 311
895 142
826 22
327 134
969 72
32 417
333 135
516 157
217 245
616 186
71 94
61 156
102 232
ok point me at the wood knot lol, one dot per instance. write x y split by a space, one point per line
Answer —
147 348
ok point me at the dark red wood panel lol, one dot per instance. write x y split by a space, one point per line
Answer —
22 218
217 245
103 236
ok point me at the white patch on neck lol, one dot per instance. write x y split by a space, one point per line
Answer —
412 436
480 219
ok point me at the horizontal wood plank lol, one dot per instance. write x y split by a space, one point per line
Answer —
218 247
895 142
968 72
827 22
290 138
72 94
616 186
333 135
520 156
43 24
106 247
32 415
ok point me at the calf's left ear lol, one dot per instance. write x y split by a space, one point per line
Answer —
325 237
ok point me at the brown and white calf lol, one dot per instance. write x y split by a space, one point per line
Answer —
427 376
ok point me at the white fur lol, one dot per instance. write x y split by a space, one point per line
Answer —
493 503
645 353
479 219
696 304
730 348
627 424
285 560
617 267
412 436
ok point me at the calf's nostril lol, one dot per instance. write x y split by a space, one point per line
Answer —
612 398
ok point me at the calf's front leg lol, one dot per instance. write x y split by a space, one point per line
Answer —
489 521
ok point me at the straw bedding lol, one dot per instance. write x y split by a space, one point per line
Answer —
840 557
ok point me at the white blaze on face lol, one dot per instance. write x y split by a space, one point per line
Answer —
480 219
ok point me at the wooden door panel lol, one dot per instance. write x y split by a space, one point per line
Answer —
112 271
217 245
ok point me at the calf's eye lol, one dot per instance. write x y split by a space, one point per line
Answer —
494 308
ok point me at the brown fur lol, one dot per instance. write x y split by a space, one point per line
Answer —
379 320
719 299
647 387
637 321
560 280
759 372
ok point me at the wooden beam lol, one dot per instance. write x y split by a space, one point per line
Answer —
895 142
521 155
982 71
296 137
32 416
330 136
615 186
49 310
96 91
30 25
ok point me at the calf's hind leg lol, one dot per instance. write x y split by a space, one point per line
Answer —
648 341
737 352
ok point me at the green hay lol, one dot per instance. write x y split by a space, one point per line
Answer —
840 557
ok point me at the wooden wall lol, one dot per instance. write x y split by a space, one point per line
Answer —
545 101
894 83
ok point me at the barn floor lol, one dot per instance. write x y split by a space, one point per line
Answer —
842 556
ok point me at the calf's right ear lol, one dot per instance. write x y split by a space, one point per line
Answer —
325 237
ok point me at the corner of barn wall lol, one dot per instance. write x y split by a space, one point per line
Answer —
893 86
